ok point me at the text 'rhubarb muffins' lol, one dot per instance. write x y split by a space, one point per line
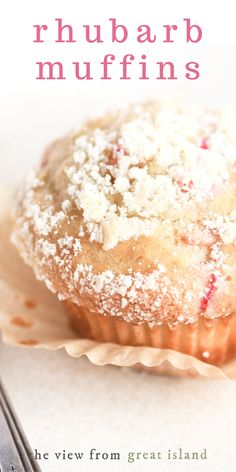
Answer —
131 220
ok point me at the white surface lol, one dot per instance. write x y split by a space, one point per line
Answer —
70 404
65 403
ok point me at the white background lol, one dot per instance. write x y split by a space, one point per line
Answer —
66 403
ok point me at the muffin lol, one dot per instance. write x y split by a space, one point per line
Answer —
131 221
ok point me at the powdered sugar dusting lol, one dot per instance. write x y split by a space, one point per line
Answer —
158 171
224 225
152 159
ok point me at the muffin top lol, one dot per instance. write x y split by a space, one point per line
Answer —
134 214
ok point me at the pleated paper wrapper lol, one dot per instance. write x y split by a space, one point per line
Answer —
32 317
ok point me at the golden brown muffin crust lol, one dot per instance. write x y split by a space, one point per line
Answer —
134 215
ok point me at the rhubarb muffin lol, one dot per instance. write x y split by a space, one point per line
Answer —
131 221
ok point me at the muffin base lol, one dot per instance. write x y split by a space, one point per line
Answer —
212 341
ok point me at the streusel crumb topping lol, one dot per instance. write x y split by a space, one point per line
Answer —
137 213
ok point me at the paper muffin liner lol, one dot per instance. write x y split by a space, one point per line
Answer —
31 316
208 340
